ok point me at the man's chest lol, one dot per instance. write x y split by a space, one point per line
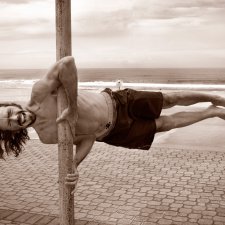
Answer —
45 124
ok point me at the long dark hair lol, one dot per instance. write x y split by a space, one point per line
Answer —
12 141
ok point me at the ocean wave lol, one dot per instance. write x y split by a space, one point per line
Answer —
118 84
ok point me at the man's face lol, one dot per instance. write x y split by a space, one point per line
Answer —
13 118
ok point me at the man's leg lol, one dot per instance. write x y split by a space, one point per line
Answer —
185 98
182 119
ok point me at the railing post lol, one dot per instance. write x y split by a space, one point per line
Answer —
65 139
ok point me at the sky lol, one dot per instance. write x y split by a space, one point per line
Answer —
116 33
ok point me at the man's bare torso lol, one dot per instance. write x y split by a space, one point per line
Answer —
92 116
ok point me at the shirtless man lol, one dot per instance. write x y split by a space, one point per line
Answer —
125 118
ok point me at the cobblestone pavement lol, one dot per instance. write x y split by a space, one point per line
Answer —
117 186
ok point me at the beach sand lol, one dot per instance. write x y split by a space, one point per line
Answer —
15 94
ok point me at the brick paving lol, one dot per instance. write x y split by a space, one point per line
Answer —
117 186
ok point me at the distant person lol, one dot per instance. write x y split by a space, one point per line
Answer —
126 118
119 84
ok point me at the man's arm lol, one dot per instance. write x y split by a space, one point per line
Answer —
63 73
84 144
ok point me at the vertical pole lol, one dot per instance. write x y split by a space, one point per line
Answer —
65 139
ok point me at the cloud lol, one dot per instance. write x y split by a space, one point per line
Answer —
104 23
26 29
34 20
121 20
112 19
116 29
153 9
22 23
18 1
181 4
199 4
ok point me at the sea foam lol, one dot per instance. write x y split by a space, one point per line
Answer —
103 84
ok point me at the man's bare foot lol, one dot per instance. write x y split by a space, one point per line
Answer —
216 111
218 101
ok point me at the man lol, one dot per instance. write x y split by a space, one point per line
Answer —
125 118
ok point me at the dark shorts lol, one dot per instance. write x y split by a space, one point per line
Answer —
135 123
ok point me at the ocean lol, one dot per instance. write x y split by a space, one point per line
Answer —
132 75
138 78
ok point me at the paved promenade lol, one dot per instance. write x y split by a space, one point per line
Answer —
117 186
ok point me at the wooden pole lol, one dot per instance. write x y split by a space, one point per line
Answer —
65 139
